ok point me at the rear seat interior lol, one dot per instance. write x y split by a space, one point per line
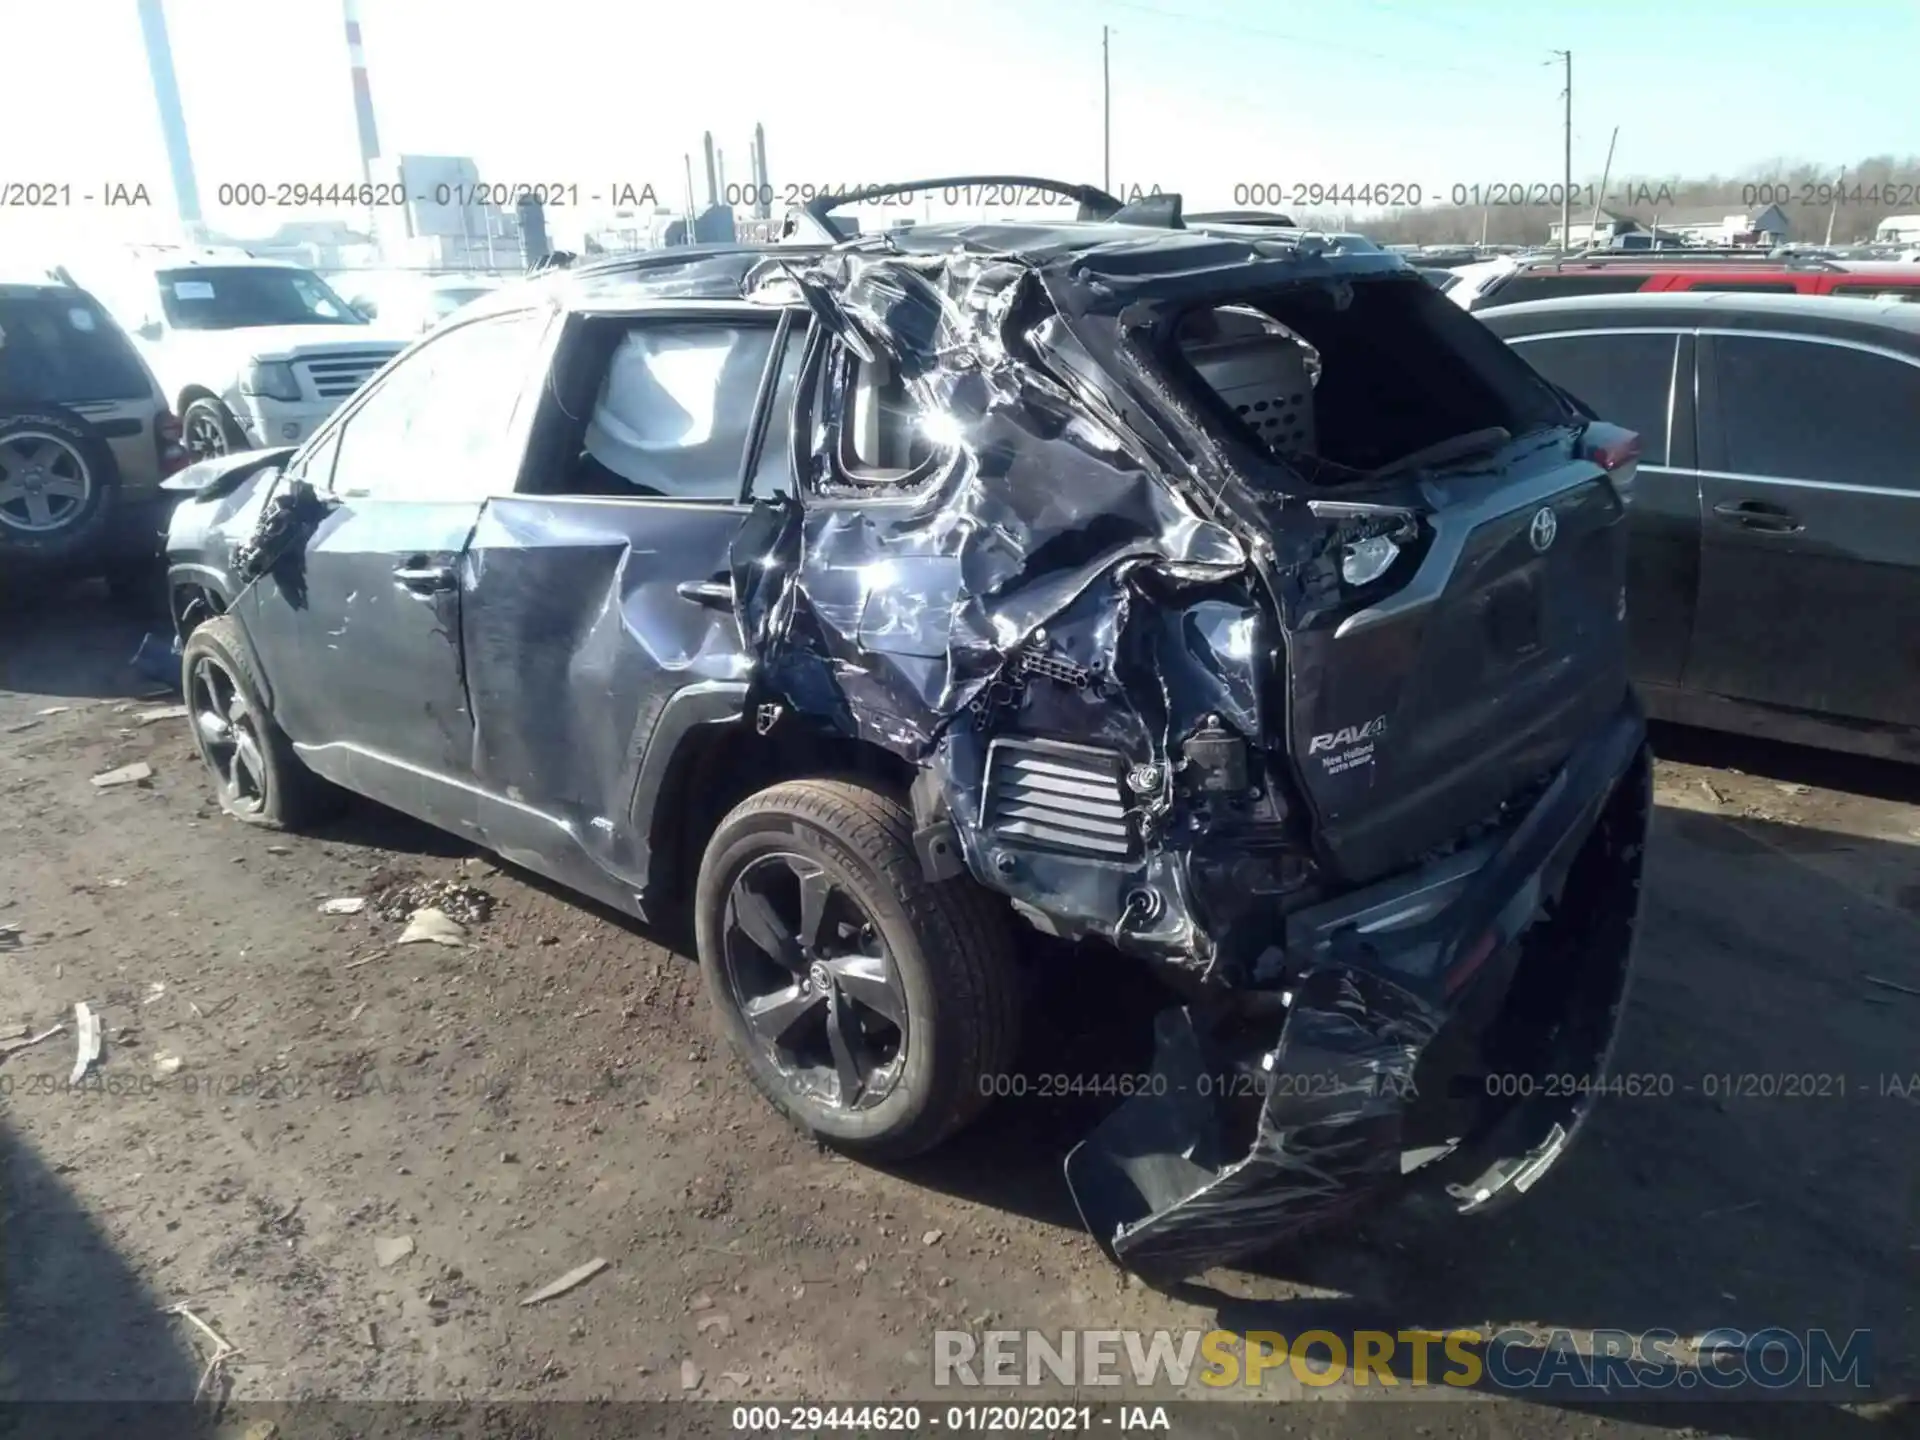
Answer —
1263 371
881 440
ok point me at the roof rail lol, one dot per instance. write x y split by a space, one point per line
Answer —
1682 255
665 257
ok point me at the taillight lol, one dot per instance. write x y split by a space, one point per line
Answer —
166 440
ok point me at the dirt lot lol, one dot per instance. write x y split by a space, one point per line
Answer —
551 1094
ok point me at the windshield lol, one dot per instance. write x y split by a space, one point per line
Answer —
213 297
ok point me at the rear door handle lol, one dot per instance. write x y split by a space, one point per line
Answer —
424 579
714 594
1758 515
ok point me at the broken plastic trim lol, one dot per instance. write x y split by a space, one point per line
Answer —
1341 1093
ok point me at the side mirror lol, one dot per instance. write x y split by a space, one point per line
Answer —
366 306
150 330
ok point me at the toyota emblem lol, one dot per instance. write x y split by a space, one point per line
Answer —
1545 526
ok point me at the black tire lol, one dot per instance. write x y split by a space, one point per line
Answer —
950 945
218 433
46 452
284 794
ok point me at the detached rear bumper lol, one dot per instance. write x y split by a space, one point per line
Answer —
1446 1028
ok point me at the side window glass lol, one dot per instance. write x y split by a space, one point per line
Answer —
436 426
1799 410
1909 294
1752 287
773 471
1627 379
672 411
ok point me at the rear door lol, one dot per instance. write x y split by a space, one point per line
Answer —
362 637
1643 379
600 611
1810 566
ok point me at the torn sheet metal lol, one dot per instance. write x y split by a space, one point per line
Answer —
1382 1059
1035 574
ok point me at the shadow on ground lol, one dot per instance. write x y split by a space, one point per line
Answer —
1766 1180
76 1324
1828 769
73 642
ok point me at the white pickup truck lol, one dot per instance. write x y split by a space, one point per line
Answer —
249 352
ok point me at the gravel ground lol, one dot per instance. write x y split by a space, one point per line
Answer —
353 1160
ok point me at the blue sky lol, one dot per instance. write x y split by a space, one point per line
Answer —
1207 94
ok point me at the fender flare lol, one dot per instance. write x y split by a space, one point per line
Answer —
689 709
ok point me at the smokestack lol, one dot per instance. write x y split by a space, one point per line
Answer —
762 187
533 231
173 120
713 173
362 95
720 169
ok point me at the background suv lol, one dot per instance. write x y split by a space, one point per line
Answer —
1774 537
1753 274
250 352
85 440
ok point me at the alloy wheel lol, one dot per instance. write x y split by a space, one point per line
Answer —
206 437
818 990
44 482
228 736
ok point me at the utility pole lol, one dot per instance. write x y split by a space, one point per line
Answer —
1106 115
1834 208
1566 189
1594 228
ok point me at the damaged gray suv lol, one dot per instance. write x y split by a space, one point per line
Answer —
1240 605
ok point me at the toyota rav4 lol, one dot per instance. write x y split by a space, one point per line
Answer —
1241 606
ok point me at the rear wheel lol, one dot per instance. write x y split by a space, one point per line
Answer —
257 775
56 480
871 1005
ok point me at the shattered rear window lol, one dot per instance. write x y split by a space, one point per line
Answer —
1338 381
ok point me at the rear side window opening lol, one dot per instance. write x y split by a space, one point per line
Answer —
1339 391
879 436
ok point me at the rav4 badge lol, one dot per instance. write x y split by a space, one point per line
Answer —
1347 735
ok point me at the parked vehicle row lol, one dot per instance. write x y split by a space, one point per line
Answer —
412 303
250 352
165 354
1514 281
